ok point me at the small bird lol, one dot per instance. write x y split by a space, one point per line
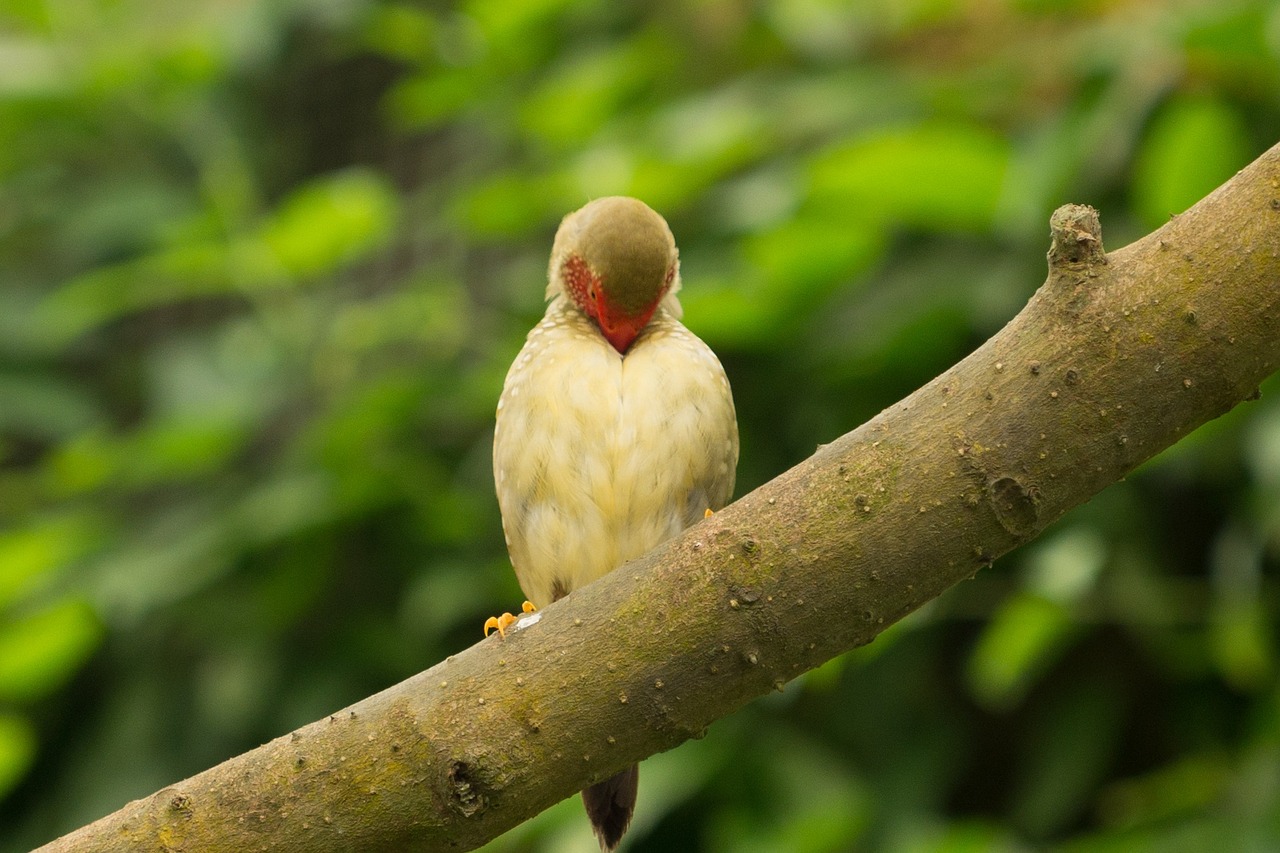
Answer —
615 430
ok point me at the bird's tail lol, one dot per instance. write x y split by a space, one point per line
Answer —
610 805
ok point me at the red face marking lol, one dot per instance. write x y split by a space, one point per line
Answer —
583 284
619 329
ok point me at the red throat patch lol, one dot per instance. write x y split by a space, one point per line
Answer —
619 329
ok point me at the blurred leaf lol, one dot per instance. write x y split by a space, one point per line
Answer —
178 449
513 26
164 451
1069 749
17 750
434 314
278 508
31 555
431 99
436 600
799 816
575 99
935 176
178 553
728 312
105 293
117 218
719 129
784 272
1024 637
28 67
83 464
1065 567
1194 835
1235 40
1240 629
43 406
964 836
1192 146
1242 643
399 30
38 653
331 222
509 204
805 257
1262 446
1182 787
323 225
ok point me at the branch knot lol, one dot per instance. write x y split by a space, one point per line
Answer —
1077 236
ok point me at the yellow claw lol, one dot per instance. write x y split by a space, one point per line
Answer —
709 512
500 623
503 622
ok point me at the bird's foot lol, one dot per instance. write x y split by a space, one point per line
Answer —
503 622
708 513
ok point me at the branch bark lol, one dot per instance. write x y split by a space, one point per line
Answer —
1113 359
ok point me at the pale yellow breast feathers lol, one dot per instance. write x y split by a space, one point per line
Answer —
597 457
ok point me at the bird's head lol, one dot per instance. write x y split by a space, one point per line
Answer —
616 259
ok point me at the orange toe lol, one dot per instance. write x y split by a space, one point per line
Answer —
501 623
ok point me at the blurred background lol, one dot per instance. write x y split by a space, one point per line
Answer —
264 264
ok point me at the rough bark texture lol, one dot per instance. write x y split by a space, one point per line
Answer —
1114 358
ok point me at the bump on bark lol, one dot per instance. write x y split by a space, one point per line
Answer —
1077 236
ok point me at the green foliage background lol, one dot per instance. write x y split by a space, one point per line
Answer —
263 265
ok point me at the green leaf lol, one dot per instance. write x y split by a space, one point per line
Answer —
1022 640
783 273
400 31
970 836
163 277
944 177
43 405
40 652
17 750
579 96
1066 567
1240 635
1183 787
510 204
728 312
429 100
811 254
1069 746
1192 146
162 451
29 554
331 222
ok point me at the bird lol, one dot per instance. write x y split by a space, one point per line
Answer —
615 430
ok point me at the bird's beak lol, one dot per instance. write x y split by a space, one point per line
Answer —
621 330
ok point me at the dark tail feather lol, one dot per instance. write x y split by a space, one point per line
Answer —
610 805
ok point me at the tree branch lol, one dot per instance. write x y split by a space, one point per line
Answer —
1114 358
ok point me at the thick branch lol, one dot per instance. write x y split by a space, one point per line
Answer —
1115 358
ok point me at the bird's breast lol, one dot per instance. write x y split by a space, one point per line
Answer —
600 457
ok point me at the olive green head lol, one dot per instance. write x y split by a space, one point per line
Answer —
616 258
